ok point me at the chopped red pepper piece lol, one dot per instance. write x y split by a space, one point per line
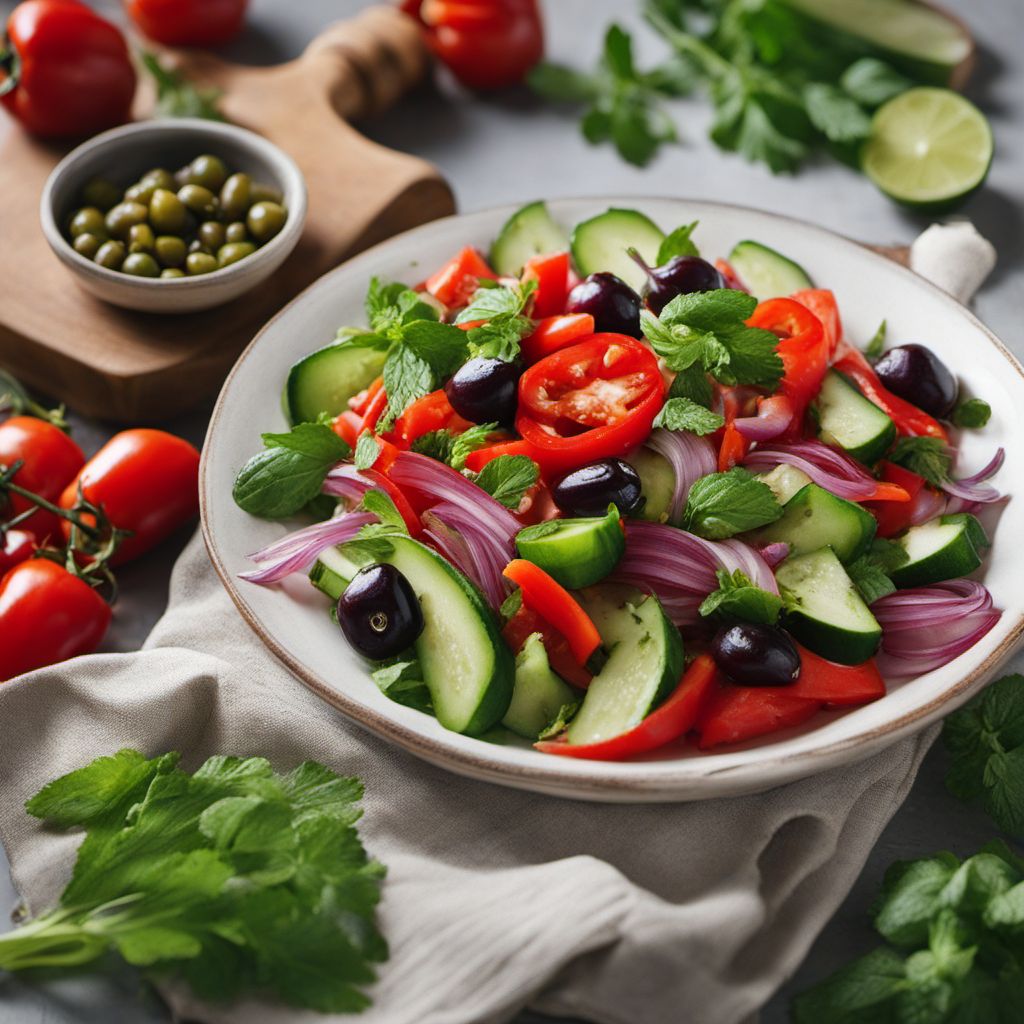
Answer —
526 622
478 459
551 273
426 414
822 303
832 684
554 333
737 713
456 281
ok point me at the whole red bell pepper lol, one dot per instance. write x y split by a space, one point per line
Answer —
188 22
65 72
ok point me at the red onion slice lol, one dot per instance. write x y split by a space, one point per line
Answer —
828 468
972 488
690 457
346 482
774 416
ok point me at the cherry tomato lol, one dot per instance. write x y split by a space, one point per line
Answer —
146 481
590 401
51 459
47 615
456 281
66 72
188 22
487 44
18 546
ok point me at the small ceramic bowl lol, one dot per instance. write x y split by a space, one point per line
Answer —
123 155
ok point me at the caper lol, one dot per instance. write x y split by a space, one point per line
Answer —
87 244
265 194
169 272
212 234
101 193
236 196
209 171
199 200
110 255
121 218
170 250
233 252
140 264
200 263
158 177
166 212
141 238
140 192
88 219
236 232
265 220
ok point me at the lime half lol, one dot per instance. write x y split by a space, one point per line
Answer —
928 148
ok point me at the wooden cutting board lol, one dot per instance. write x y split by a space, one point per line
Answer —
136 367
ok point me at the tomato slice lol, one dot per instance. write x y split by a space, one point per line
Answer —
402 503
894 516
592 400
478 459
551 601
737 713
668 722
525 622
831 684
456 281
554 333
426 414
347 425
360 402
552 276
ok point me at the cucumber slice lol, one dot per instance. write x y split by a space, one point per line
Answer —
530 231
824 611
767 273
657 483
601 243
645 664
784 481
325 380
332 572
815 518
943 549
576 552
538 694
847 420
466 664
912 36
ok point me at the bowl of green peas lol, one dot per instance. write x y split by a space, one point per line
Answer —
173 216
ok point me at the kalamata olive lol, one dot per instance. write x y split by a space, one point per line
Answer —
589 490
917 375
485 390
614 306
379 612
756 655
682 275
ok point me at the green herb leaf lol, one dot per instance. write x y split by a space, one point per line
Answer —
839 117
451 448
280 480
873 82
871 573
926 456
721 505
972 414
507 478
684 414
863 990
367 450
407 377
402 682
565 714
491 303
693 384
678 243
876 346
176 96
391 306
739 598
511 605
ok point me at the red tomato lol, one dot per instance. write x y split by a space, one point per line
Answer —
456 281
554 333
426 414
51 460
671 720
47 615
822 303
18 546
346 425
527 621
188 22
832 684
590 401
487 44
478 459
894 516
72 75
552 276
146 481
736 713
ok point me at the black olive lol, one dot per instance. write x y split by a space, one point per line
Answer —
682 275
589 490
485 390
614 306
917 375
756 655
379 612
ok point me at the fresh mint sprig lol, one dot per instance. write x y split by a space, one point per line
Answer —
720 505
737 597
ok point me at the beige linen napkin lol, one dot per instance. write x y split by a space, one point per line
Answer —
495 899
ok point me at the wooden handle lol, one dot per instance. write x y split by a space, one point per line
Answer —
367 63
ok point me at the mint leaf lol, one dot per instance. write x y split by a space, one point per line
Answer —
402 682
507 478
367 450
289 473
565 714
863 990
972 414
693 384
909 898
876 346
443 346
871 573
835 114
505 325
873 82
451 448
407 377
373 542
677 243
499 339
721 505
739 598
684 414
926 456
390 306
492 303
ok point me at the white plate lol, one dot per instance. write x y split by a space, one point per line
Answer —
292 621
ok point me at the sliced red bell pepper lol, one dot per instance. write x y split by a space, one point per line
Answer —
832 684
894 516
374 410
346 425
732 445
478 459
551 601
359 403
822 303
525 622
554 333
668 722
405 509
551 272
908 418
456 281
737 713
732 279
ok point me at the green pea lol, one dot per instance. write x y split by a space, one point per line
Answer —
87 244
166 212
209 171
158 177
211 234
265 194
121 218
140 264
88 219
265 220
101 193
169 272
233 252
199 200
140 192
236 232
200 263
140 238
170 251
110 255
236 196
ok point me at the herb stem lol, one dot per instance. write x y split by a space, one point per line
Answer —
50 941
683 42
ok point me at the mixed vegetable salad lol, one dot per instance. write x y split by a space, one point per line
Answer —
606 494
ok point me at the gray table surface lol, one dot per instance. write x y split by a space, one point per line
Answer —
506 149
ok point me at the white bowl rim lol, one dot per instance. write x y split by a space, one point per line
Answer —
608 781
